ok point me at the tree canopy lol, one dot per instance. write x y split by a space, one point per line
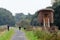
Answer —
56 7
6 17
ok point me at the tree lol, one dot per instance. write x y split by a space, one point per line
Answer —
19 17
56 7
24 23
34 21
6 17
57 16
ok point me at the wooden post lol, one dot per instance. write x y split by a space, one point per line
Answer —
44 22
48 23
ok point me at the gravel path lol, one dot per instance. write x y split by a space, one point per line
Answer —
19 35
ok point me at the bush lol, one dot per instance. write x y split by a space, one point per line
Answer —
42 35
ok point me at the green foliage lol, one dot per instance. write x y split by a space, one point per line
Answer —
56 8
7 35
34 21
23 20
29 16
30 35
38 35
6 17
24 23
32 18
57 14
19 17
42 35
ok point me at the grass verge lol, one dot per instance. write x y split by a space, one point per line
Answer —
30 35
7 35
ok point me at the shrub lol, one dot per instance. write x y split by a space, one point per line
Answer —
42 35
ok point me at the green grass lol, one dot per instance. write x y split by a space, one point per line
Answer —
41 35
30 35
7 35
37 35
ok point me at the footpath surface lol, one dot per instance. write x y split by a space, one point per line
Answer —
19 35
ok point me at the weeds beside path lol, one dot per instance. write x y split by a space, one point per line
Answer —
7 35
30 35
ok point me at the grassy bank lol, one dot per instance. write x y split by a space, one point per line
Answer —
30 35
41 35
37 35
7 35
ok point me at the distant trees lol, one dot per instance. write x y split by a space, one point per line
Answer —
29 16
24 23
34 21
23 20
6 17
19 17
32 18
56 7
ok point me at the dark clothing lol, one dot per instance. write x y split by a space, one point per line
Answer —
19 28
24 28
8 28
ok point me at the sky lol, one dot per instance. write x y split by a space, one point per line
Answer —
24 6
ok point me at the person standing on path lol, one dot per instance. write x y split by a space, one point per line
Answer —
8 27
19 28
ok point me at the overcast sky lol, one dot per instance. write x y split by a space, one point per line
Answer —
25 6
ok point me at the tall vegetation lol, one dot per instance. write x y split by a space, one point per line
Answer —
56 7
7 35
6 17
32 18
